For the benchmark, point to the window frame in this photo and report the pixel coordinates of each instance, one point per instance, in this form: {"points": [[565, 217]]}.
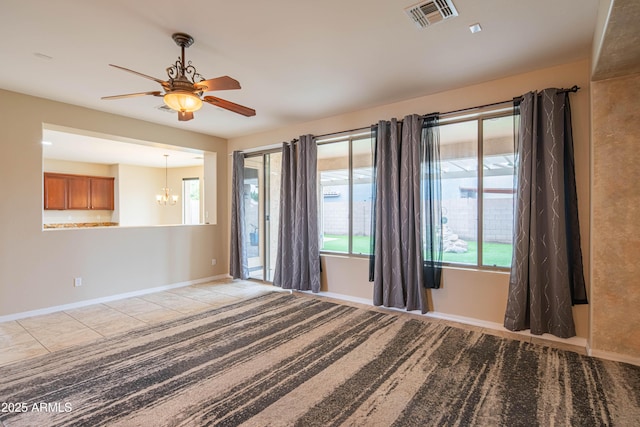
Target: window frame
{"points": [[479, 117], [349, 138]]}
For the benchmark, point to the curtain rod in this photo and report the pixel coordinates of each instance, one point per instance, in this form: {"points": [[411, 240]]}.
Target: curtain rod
{"points": [[264, 149], [343, 131], [574, 88]]}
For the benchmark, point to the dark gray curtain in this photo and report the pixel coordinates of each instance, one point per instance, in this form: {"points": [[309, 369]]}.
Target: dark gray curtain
{"points": [[298, 260], [238, 265], [546, 273], [399, 251]]}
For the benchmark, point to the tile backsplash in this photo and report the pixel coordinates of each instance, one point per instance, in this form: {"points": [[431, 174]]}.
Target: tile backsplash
{"points": [[73, 216]]}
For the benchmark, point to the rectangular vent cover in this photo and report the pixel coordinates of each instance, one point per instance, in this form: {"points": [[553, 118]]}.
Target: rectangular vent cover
{"points": [[165, 108], [431, 12]]}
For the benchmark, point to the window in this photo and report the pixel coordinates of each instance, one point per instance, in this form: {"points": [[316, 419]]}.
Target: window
{"points": [[478, 190], [498, 191], [345, 179], [191, 201], [477, 163]]}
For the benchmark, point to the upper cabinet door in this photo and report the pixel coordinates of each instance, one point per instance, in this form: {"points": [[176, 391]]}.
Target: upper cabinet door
{"points": [[78, 192], [55, 192], [102, 193]]}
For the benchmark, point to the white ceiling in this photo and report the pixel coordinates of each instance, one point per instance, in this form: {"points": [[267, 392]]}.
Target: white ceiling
{"points": [[75, 147], [297, 60]]}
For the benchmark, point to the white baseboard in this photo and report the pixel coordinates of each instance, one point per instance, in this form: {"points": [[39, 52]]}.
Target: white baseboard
{"points": [[342, 297], [577, 341], [79, 304], [616, 357]]}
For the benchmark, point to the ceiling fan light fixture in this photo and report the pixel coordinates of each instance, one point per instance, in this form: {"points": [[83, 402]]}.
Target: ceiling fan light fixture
{"points": [[184, 88], [182, 101]]}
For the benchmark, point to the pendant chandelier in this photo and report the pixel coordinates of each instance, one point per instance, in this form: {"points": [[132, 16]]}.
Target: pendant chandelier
{"points": [[166, 198]]}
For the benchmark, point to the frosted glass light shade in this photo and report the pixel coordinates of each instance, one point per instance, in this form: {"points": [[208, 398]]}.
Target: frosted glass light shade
{"points": [[166, 198], [180, 100]]}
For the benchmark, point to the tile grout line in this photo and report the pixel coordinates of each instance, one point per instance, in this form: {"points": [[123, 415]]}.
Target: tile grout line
{"points": [[87, 326], [32, 336], [205, 290], [131, 315]]}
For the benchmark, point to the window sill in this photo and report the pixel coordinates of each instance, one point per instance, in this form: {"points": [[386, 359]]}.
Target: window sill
{"points": [[486, 269], [343, 255]]}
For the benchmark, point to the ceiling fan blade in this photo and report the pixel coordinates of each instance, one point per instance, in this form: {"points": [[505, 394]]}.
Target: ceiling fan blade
{"points": [[228, 105], [184, 116], [162, 82], [131, 95], [219, 83]]}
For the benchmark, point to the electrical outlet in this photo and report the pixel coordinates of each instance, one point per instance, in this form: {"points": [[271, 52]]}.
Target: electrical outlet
{"points": [[77, 281], [214, 261]]}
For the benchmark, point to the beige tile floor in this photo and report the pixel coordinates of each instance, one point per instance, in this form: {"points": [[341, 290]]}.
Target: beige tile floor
{"points": [[34, 336]]}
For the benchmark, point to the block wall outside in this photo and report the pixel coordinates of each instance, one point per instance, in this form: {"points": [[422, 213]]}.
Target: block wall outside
{"points": [[461, 215]]}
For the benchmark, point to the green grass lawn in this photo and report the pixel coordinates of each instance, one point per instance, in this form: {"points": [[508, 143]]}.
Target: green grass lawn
{"points": [[340, 243], [494, 254]]}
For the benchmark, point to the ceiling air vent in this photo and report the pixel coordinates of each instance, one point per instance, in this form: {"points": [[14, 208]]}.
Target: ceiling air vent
{"points": [[165, 108], [431, 12]]}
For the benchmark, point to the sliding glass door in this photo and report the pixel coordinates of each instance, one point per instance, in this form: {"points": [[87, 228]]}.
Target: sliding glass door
{"points": [[262, 202]]}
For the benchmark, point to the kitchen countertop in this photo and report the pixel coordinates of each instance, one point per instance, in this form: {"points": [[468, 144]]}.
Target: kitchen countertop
{"points": [[81, 225]]}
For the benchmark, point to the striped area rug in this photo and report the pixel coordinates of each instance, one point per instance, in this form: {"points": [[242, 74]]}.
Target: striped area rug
{"points": [[282, 360]]}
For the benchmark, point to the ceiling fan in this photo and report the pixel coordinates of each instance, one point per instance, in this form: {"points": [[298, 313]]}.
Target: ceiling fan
{"points": [[184, 88]]}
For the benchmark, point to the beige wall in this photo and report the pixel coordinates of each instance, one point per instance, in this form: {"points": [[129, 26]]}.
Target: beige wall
{"points": [[137, 189], [615, 228], [474, 294], [77, 168], [37, 267], [176, 175]]}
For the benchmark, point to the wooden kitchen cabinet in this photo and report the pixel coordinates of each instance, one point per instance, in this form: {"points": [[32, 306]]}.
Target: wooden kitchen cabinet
{"points": [[101, 194], [55, 192], [78, 192]]}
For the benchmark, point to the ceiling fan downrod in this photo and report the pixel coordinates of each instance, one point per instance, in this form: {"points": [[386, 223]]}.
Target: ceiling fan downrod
{"points": [[183, 70], [183, 40]]}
